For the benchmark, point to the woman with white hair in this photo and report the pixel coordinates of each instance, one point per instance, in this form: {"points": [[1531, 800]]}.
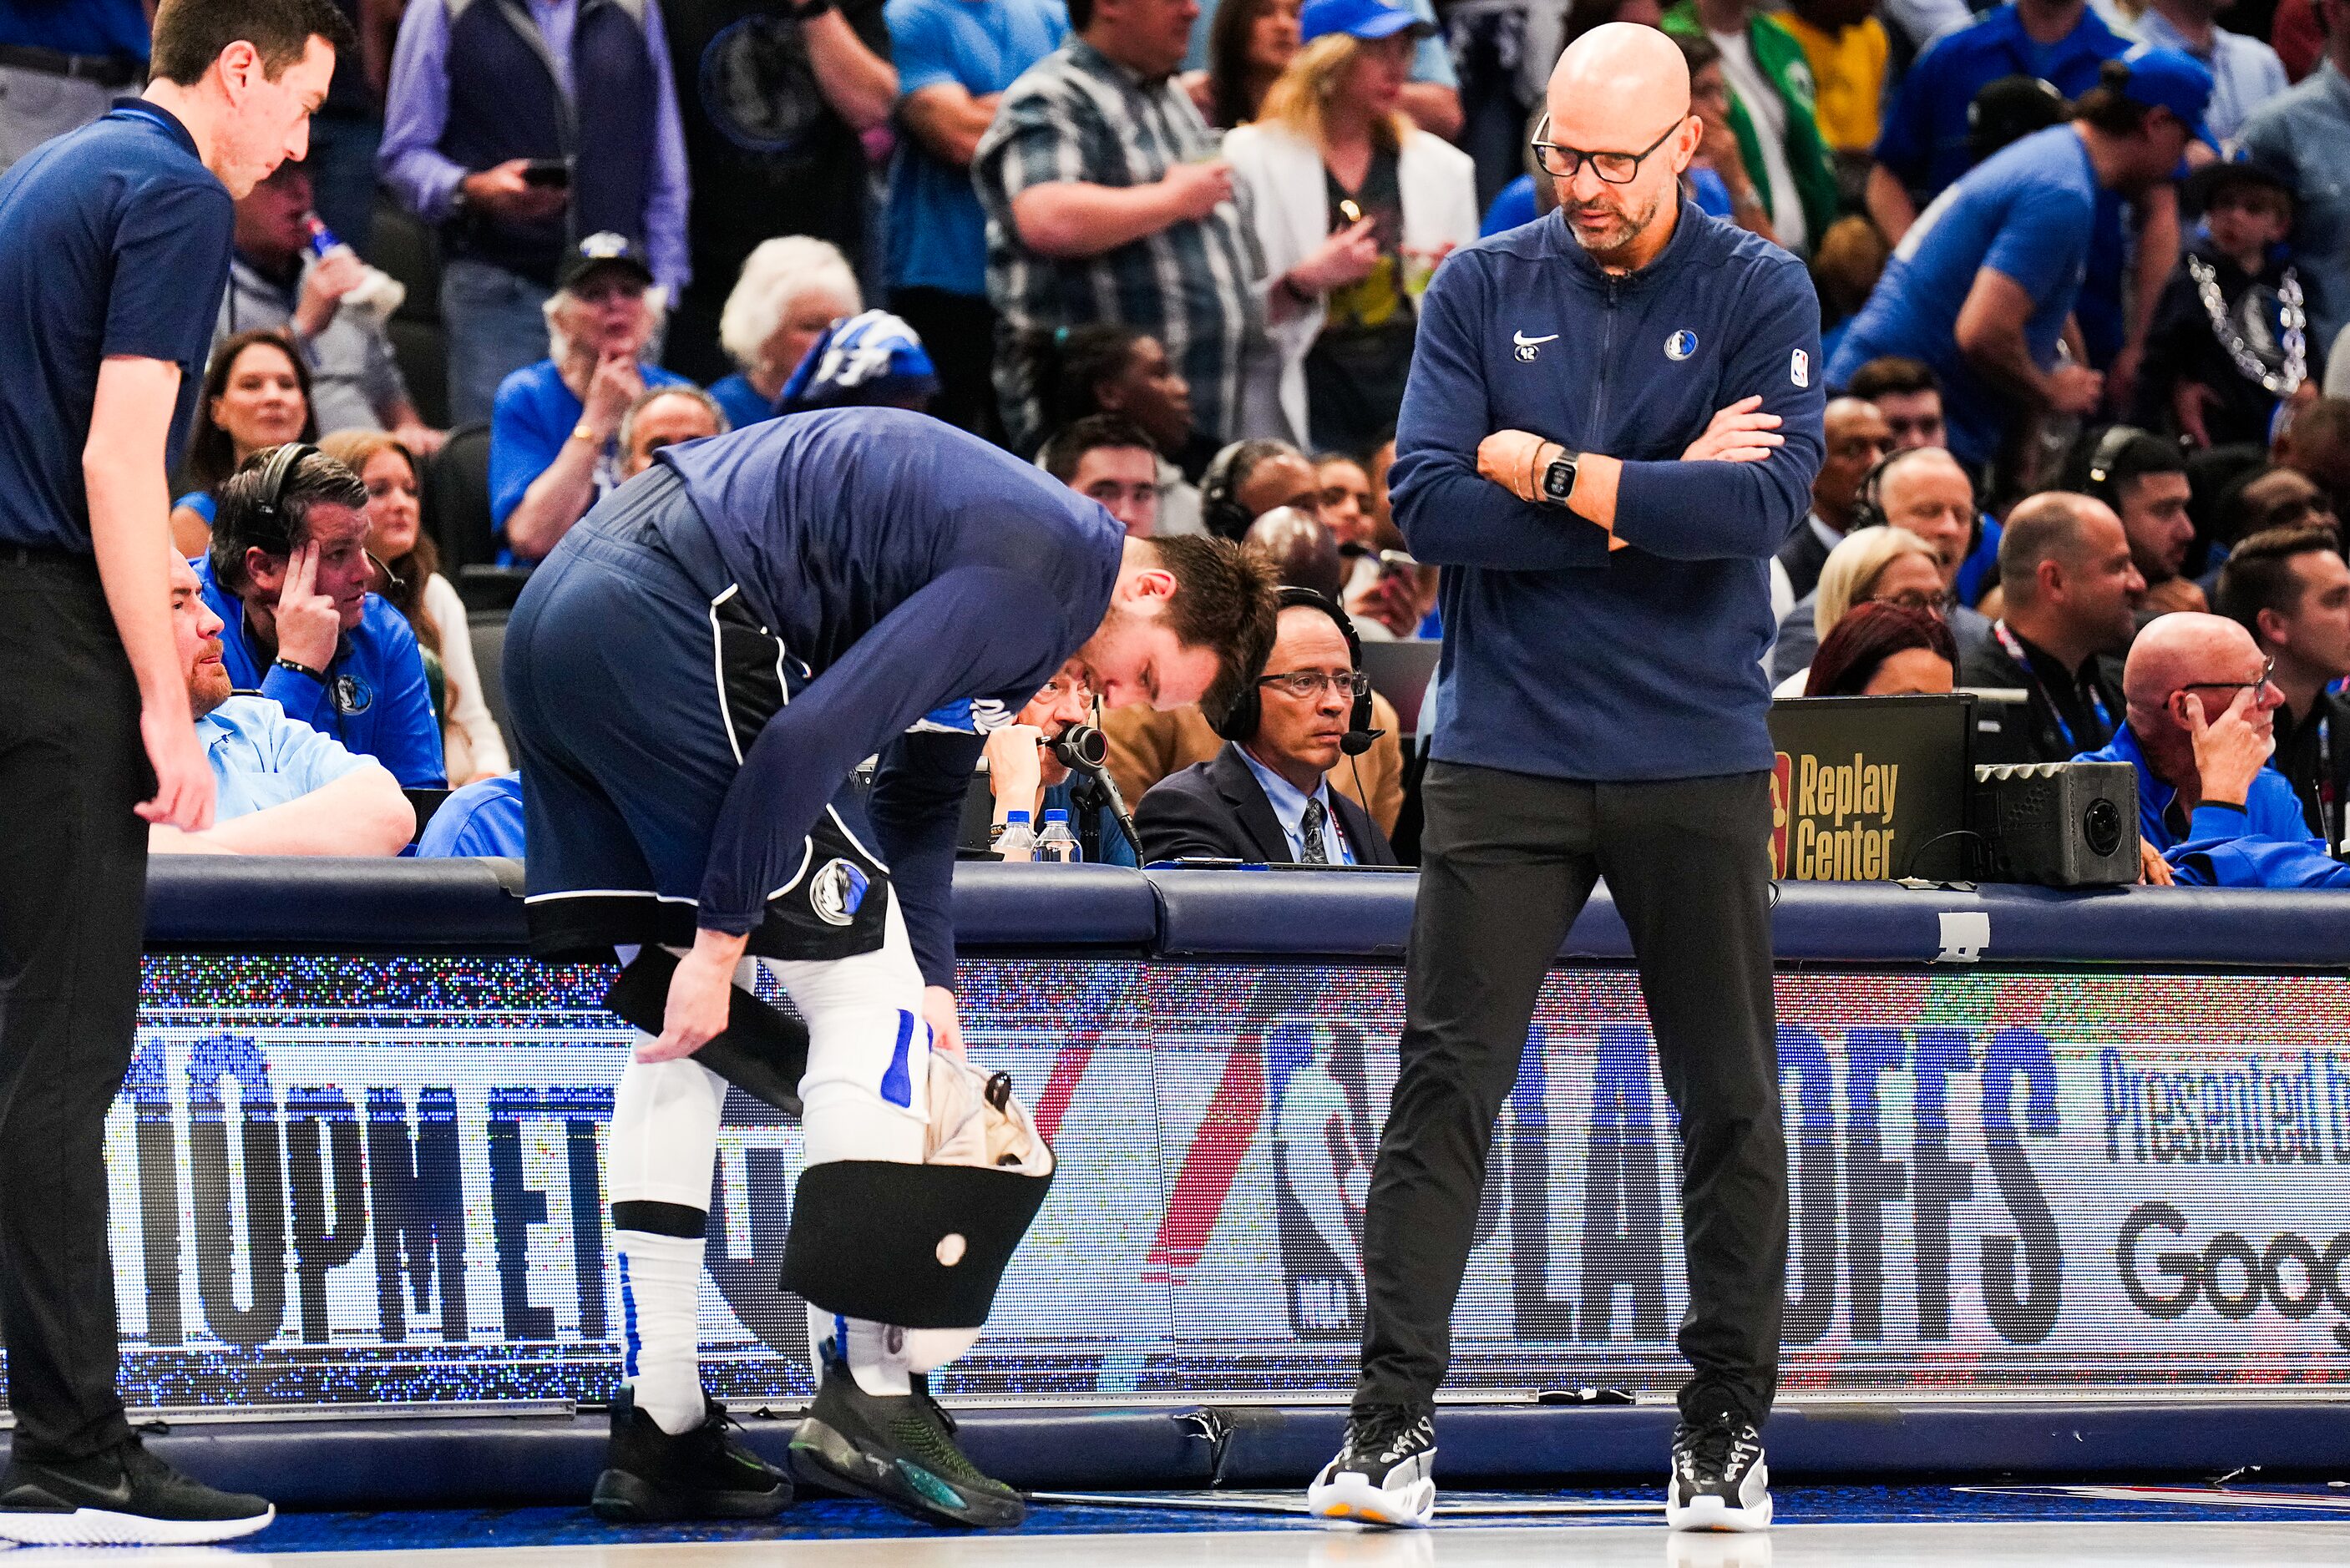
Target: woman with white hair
{"points": [[1355, 206], [1871, 566], [552, 446], [791, 292]]}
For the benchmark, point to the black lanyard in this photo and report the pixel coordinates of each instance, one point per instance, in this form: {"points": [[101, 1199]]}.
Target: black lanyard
{"points": [[2016, 651]]}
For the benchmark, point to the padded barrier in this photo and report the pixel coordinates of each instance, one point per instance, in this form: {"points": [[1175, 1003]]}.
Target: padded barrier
{"points": [[268, 904]]}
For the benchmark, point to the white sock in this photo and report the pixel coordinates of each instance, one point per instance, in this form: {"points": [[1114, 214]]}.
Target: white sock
{"points": [[876, 1351], [660, 1287]]}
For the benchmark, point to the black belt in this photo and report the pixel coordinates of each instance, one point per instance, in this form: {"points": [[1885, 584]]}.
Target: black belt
{"points": [[99, 70]]}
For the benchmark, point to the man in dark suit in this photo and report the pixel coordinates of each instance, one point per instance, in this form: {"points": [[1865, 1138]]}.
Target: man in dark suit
{"points": [[1266, 796], [1857, 439]]}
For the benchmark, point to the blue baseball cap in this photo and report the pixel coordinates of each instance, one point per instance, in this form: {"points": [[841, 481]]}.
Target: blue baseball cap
{"points": [[872, 360], [2166, 78], [1358, 19]]}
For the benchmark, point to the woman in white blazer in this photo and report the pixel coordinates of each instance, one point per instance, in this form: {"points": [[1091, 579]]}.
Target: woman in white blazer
{"points": [[1355, 206]]}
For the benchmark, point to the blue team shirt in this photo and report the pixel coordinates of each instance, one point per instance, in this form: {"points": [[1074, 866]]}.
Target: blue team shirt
{"points": [[114, 240], [261, 758], [938, 235], [374, 700], [535, 414], [483, 818], [2027, 214], [744, 405], [904, 564], [77, 27]]}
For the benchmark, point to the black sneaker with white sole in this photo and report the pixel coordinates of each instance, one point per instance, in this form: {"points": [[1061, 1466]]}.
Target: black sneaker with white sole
{"points": [[1720, 1481], [123, 1497], [1385, 1472], [652, 1478], [898, 1450]]}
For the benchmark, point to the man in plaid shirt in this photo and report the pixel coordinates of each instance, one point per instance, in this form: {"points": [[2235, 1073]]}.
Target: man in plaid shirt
{"points": [[1105, 202]]}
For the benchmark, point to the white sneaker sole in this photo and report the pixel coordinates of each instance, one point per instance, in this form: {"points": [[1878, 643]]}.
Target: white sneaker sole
{"points": [[1715, 1513], [101, 1527], [1348, 1497]]}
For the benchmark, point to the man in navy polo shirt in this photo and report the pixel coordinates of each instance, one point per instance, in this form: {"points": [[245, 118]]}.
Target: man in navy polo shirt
{"points": [[287, 574], [1924, 147], [1979, 287], [114, 248], [954, 58]]}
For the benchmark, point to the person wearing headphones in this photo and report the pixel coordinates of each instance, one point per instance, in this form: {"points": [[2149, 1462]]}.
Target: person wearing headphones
{"points": [[1267, 795], [1250, 478], [1924, 490], [288, 574], [2143, 478]]}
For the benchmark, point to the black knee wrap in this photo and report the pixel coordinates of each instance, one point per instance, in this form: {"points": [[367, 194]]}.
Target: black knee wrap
{"points": [[763, 1051], [874, 1239]]}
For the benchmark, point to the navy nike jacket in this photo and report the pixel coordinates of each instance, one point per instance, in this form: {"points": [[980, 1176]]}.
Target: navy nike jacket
{"points": [[1561, 657]]}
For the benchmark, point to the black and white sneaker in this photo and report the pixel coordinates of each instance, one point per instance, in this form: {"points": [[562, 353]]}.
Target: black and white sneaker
{"points": [[1720, 1481], [898, 1450], [1385, 1472], [651, 1478], [124, 1497]]}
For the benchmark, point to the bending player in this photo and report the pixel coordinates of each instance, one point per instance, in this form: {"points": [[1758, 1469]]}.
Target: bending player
{"points": [[691, 677]]}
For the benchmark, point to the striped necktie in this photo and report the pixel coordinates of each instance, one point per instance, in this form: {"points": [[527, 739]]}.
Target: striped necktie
{"points": [[1316, 853]]}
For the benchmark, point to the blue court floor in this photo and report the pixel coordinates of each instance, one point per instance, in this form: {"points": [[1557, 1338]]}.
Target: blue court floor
{"points": [[2035, 1526]]}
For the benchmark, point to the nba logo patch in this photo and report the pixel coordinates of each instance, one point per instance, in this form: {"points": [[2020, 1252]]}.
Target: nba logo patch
{"points": [[1680, 345], [1799, 368]]}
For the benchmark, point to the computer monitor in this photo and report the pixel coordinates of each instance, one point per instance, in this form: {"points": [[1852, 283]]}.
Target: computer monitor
{"points": [[1870, 788]]}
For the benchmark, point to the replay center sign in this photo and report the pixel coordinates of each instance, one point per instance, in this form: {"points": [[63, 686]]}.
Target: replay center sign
{"points": [[342, 1181]]}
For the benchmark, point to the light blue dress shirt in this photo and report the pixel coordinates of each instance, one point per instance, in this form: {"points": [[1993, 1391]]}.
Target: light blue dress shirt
{"points": [[1289, 809], [2245, 72], [261, 758]]}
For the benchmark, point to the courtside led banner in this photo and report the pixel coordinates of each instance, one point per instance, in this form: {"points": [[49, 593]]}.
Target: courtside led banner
{"points": [[368, 1181]]}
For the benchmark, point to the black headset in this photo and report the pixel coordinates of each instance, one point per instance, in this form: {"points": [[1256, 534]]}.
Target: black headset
{"points": [[1241, 720], [2107, 457], [1221, 511], [270, 503], [1868, 510]]}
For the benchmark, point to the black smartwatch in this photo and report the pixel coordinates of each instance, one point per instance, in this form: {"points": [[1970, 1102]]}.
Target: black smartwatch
{"points": [[1558, 478]]}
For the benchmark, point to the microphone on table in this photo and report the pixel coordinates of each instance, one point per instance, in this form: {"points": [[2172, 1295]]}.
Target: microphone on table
{"points": [[1083, 749]]}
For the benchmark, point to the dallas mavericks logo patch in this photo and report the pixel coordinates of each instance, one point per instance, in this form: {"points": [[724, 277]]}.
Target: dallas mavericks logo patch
{"points": [[352, 695], [1680, 345], [836, 891]]}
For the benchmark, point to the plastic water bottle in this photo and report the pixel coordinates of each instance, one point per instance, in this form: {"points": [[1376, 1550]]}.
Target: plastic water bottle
{"points": [[1017, 841], [322, 242], [1058, 842], [379, 293]]}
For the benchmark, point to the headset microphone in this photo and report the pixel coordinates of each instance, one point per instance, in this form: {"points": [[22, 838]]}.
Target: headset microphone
{"points": [[1083, 749]]}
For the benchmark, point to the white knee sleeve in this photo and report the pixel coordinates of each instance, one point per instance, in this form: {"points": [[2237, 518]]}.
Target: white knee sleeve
{"points": [[665, 1118], [866, 1090]]}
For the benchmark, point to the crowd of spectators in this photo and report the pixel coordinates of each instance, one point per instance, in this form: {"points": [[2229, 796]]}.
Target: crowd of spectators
{"points": [[2081, 265]]}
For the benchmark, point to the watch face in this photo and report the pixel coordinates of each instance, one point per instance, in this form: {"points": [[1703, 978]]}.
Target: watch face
{"points": [[1558, 478]]}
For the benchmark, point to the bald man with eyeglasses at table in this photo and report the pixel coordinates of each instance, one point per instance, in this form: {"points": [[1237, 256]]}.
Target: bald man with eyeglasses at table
{"points": [[1613, 424]]}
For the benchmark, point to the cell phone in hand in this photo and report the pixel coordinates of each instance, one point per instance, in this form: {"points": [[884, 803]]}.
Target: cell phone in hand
{"points": [[554, 173], [1397, 563]]}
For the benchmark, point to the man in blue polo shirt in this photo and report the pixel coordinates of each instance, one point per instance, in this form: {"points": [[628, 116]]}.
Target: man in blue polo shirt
{"points": [[1979, 287], [2201, 729], [954, 58], [114, 248], [288, 573], [1924, 147]]}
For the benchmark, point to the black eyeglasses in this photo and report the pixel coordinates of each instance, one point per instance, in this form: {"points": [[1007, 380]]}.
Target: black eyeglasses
{"points": [[1615, 168], [1307, 684], [2267, 669]]}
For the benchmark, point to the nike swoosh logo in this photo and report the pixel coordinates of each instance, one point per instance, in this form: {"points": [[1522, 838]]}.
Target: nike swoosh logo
{"points": [[1523, 341]]}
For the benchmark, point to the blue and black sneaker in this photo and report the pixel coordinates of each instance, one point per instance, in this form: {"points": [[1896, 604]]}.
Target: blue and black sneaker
{"points": [[898, 1450]]}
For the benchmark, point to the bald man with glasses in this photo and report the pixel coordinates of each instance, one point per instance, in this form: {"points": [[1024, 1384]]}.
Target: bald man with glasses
{"points": [[1613, 424]]}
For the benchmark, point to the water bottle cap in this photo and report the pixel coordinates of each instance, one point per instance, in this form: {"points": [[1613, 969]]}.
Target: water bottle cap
{"points": [[1013, 816], [1056, 816]]}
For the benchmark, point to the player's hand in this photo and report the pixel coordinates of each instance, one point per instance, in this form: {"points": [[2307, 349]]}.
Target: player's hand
{"points": [[701, 994], [1741, 432], [946, 1023], [323, 286], [1196, 190], [614, 386], [2231, 750], [1514, 461], [308, 625], [2152, 870], [503, 193], [2075, 389], [183, 777]]}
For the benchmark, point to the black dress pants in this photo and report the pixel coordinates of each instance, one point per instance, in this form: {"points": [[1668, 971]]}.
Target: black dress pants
{"points": [[958, 331], [1506, 863], [73, 879]]}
